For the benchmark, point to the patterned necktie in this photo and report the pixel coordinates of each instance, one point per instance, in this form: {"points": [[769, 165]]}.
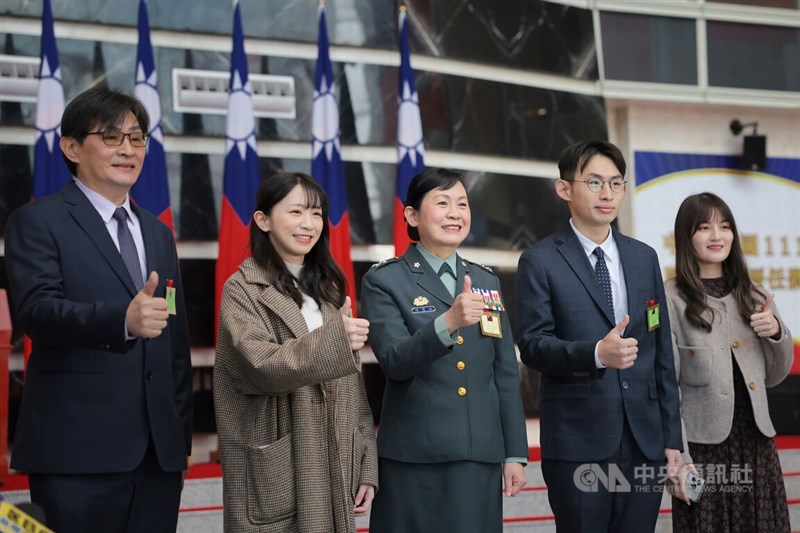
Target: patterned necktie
{"points": [[601, 269], [127, 248], [448, 278]]}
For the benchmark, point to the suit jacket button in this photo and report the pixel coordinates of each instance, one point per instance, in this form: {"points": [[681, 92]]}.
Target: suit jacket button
{"points": [[462, 391], [148, 376], [691, 352], [735, 344], [460, 365], [625, 385], [460, 340], [752, 385]]}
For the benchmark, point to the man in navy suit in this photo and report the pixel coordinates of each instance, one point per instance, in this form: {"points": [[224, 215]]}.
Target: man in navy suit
{"points": [[104, 430], [599, 335]]}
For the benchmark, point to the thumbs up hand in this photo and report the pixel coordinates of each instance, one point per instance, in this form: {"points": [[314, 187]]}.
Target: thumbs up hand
{"points": [[149, 288], [147, 315], [764, 322], [347, 308], [467, 284], [614, 350], [357, 329], [466, 310]]}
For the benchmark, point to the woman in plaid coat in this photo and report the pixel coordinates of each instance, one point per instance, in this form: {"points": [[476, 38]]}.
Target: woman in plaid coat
{"points": [[295, 430]]}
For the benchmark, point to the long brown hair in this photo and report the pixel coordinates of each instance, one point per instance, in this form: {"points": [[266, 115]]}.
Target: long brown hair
{"points": [[696, 210], [321, 277]]}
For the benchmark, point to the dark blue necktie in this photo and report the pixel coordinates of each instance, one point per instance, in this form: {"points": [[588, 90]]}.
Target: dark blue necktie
{"points": [[127, 248], [601, 269]]}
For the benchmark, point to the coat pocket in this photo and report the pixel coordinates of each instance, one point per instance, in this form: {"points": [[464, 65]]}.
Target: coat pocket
{"points": [[270, 482], [696, 362], [358, 455]]}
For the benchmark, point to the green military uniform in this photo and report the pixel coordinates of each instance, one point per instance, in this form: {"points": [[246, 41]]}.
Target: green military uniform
{"points": [[451, 414]]}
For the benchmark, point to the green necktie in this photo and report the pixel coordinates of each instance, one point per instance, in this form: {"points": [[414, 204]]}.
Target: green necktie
{"points": [[448, 278]]}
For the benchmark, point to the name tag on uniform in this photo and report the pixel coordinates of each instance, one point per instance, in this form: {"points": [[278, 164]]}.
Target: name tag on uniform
{"points": [[490, 325]]}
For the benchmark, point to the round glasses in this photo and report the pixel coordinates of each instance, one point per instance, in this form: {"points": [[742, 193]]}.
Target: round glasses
{"points": [[116, 138], [596, 184]]}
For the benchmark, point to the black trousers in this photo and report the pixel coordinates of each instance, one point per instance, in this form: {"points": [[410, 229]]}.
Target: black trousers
{"points": [[621, 494], [144, 500]]}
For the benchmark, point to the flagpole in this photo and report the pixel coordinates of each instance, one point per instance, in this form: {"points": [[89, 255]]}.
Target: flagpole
{"points": [[410, 146], [327, 166], [151, 190], [50, 172], [242, 174]]}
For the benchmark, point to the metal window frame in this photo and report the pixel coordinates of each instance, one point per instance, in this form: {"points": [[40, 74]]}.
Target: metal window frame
{"points": [[700, 10]]}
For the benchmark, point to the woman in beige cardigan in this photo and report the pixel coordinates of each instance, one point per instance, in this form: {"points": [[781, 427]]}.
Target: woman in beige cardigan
{"points": [[295, 430], [730, 344]]}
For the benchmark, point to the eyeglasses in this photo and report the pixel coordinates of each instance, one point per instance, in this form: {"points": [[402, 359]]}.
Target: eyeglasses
{"points": [[116, 138], [596, 184]]}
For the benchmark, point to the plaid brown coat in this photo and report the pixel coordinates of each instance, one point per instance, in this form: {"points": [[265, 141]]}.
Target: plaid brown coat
{"points": [[296, 434]]}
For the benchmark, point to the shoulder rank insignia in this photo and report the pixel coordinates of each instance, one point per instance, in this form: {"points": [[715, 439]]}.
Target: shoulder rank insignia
{"points": [[486, 268], [385, 262]]}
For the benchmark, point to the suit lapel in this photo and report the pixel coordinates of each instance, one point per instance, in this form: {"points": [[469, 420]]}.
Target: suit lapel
{"points": [[87, 217], [633, 269], [328, 312], [286, 309], [149, 238], [426, 277], [571, 250], [462, 269]]}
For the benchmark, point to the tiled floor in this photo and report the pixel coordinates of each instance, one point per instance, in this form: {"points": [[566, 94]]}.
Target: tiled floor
{"points": [[529, 512]]}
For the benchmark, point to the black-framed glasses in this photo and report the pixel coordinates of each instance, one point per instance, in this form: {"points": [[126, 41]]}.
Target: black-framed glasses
{"points": [[116, 138], [596, 184]]}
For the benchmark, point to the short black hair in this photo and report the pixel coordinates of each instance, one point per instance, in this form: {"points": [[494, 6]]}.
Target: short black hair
{"points": [[423, 183], [99, 107], [576, 156]]}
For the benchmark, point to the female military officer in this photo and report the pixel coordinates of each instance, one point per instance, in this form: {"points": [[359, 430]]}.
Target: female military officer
{"points": [[452, 433]]}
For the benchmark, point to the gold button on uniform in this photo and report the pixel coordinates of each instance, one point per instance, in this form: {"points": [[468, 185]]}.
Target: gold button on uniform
{"points": [[735, 344], [691, 352], [460, 340], [460, 365], [752, 385], [462, 391]]}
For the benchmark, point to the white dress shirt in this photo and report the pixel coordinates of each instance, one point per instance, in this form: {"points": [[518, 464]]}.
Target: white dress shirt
{"points": [[619, 291], [310, 310], [106, 208]]}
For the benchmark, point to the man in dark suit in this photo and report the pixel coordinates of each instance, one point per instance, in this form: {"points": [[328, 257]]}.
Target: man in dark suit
{"points": [[105, 424], [592, 319]]}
